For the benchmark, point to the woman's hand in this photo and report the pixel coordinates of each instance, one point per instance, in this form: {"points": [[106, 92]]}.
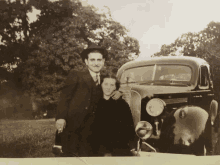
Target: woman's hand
{"points": [[60, 125]]}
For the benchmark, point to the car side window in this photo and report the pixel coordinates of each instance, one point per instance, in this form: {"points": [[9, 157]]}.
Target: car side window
{"points": [[204, 77]]}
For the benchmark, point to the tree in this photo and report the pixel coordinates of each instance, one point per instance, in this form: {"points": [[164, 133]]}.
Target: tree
{"points": [[18, 41], [166, 50], [13, 30], [204, 44], [44, 51], [16, 31], [60, 45]]}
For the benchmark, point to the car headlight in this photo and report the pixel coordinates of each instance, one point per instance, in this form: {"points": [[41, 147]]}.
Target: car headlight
{"points": [[155, 107], [144, 130]]}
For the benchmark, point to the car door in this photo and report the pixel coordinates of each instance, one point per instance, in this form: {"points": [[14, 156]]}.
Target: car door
{"points": [[203, 94]]}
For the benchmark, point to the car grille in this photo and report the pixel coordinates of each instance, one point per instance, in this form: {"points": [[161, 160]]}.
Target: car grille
{"points": [[175, 100]]}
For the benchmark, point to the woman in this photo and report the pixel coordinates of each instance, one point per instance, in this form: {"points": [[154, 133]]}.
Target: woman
{"points": [[113, 127]]}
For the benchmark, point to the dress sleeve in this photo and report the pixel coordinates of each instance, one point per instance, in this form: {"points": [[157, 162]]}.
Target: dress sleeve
{"points": [[66, 94]]}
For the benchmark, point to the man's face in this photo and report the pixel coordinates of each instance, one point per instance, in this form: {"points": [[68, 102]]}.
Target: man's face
{"points": [[95, 61]]}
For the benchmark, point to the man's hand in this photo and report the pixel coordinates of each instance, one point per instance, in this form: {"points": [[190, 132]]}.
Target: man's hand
{"points": [[134, 153], [116, 95], [60, 125], [126, 95], [107, 155]]}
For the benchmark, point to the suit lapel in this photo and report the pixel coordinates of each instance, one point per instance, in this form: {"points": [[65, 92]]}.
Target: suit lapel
{"points": [[101, 78], [88, 79]]}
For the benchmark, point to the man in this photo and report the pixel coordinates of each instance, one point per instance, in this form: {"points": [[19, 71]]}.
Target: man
{"points": [[76, 108]]}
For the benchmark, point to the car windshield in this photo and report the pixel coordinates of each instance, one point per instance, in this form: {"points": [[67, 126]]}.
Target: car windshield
{"points": [[176, 75]]}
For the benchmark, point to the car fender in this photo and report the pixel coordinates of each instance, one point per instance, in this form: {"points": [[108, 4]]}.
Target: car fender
{"points": [[213, 111], [135, 106], [190, 124], [185, 131]]}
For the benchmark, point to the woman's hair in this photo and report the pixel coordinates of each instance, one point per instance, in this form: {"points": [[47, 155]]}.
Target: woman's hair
{"points": [[113, 76]]}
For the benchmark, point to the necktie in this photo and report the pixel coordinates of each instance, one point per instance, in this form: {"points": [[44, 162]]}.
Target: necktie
{"points": [[96, 78]]}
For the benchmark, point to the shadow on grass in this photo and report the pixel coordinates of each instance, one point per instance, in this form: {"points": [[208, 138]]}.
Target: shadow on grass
{"points": [[16, 150], [26, 148], [27, 139]]}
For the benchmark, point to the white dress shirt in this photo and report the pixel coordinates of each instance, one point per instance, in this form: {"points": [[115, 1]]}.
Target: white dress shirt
{"points": [[93, 74]]}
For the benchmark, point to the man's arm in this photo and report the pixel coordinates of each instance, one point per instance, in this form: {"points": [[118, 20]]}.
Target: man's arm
{"points": [[65, 97]]}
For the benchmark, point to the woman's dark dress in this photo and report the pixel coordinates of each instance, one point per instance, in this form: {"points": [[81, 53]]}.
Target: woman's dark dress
{"points": [[112, 129]]}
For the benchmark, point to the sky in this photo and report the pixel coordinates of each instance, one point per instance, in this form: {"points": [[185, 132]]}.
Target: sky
{"points": [[157, 22]]}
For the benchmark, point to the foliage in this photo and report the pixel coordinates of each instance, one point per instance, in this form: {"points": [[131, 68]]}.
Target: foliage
{"points": [[47, 66], [17, 44], [16, 31], [13, 30], [204, 44], [45, 50]]}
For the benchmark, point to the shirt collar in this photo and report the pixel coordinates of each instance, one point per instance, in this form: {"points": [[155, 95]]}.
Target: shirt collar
{"points": [[93, 74]]}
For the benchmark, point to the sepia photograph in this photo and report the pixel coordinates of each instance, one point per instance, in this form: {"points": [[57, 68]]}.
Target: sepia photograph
{"points": [[109, 82]]}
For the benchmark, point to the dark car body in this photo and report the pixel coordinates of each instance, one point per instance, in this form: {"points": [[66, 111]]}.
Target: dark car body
{"points": [[172, 83]]}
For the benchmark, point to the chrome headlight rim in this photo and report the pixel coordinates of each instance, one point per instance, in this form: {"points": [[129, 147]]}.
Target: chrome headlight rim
{"points": [[158, 103], [145, 126]]}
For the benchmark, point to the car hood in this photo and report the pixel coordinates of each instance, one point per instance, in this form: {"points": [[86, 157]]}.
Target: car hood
{"points": [[149, 91]]}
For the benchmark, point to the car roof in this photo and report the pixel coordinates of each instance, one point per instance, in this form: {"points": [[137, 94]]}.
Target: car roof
{"points": [[195, 62], [168, 59]]}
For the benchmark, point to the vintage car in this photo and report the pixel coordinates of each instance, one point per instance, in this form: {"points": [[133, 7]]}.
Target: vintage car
{"points": [[172, 104]]}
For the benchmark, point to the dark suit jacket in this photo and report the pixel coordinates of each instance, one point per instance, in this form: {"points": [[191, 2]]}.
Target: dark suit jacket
{"points": [[76, 99]]}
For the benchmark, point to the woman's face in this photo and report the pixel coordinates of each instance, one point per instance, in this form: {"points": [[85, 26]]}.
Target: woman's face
{"points": [[108, 86]]}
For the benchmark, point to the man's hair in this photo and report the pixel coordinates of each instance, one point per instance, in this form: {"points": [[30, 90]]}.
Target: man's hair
{"points": [[113, 76], [94, 51]]}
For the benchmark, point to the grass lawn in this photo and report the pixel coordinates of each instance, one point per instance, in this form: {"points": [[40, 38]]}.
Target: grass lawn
{"points": [[34, 138], [27, 138]]}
